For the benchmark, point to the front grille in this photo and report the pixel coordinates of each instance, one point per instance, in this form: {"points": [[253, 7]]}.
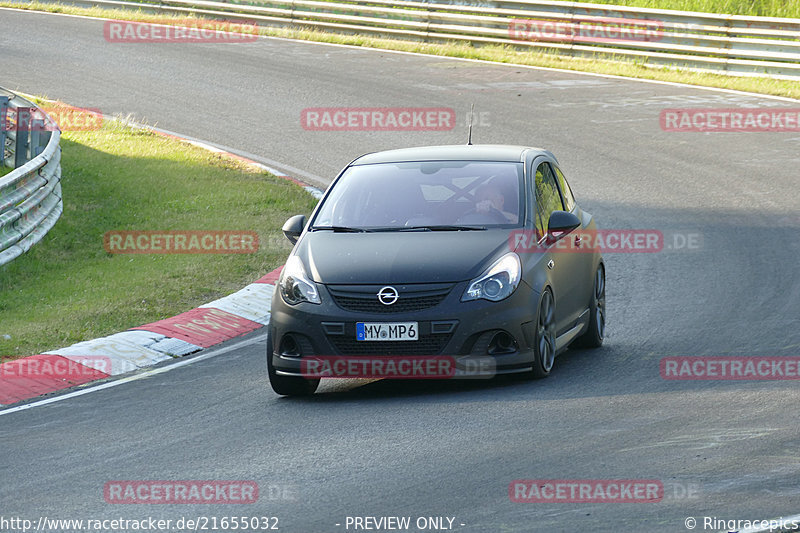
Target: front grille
{"points": [[364, 298], [426, 345], [400, 306]]}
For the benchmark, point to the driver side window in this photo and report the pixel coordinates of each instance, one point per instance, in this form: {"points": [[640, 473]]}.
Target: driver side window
{"points": [[547, 198]]}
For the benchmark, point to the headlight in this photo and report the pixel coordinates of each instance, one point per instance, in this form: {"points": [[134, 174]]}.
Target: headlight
{"points": [[498, 282], [294, 283]]}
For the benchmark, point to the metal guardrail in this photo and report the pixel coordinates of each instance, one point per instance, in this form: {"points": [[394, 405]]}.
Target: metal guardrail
{"points": [[30, 195], [732, 44]]}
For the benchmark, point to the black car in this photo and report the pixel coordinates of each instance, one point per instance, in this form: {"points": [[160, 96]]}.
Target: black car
{"points": [[431, 252]]}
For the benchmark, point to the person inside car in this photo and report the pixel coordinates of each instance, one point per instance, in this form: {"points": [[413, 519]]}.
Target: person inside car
{"points": [[489, 199]]}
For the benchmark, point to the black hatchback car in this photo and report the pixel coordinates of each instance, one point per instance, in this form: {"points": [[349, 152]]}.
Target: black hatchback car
{"points": [[438, 252]]}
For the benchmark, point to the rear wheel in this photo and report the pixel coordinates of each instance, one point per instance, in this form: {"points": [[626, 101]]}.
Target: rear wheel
{"points": [[593, 338], [287, 385], [545, 347]]}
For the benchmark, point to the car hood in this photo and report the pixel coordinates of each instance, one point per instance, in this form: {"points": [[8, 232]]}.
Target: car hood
{"points": [[399, 257]]}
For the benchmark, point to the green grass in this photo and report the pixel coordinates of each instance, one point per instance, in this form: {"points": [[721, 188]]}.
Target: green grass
{"points": [[495, 53], [5, 170], [764, 8], [68, 288], [761, 8]]}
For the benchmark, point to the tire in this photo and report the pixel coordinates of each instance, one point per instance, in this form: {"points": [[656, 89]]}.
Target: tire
{"points": [[593, 337], [545, 344], [287, 385]]}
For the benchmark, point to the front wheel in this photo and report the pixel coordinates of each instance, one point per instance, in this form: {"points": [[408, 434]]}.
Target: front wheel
{"points": [[593, 338], [287, 385], [545, 345]]}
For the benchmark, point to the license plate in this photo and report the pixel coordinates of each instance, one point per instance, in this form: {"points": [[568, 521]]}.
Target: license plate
{"points": [[387, 331]]}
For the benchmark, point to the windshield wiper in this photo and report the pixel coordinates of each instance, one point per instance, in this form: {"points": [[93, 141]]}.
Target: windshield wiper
{"points": [[434, 227], [342, 229], [443, 227]]}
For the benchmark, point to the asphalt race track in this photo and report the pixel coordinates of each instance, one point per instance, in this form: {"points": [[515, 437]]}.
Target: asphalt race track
{"points": [[723, 449]]}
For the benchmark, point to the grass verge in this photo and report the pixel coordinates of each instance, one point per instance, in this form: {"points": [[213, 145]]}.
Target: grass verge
{"points": [[68, 288], [602, 64], [758, 8]]}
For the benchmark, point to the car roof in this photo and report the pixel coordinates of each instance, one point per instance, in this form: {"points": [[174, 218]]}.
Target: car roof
{"points": [[455, 152]]}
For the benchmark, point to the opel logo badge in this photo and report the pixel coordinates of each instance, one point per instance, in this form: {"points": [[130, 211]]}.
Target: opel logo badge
{"points": [[388, 295]]}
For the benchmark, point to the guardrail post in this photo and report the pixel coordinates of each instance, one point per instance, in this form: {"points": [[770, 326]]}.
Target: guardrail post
{"points": [[23, 133], [37, 135], [729, 27], [3, 125]]}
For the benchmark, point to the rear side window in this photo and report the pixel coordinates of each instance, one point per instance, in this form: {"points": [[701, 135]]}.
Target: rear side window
{"points": [[547, 198], [566, 192]]}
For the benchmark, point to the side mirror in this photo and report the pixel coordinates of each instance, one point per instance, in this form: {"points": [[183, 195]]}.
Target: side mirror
{"points": [[294, 227], [560, 224]]}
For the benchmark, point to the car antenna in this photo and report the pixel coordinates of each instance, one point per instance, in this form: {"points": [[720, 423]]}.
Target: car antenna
{"points": [[469, 138]]}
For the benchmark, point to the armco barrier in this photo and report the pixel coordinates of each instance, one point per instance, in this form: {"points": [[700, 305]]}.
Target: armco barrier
{"points": [[732, 44], [30, 195]]}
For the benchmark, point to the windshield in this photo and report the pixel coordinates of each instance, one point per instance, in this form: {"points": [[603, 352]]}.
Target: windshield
{"points": [[429, 194]]}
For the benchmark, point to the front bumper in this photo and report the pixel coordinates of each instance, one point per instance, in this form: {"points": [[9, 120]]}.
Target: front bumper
{"points": [[461, 330]]}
